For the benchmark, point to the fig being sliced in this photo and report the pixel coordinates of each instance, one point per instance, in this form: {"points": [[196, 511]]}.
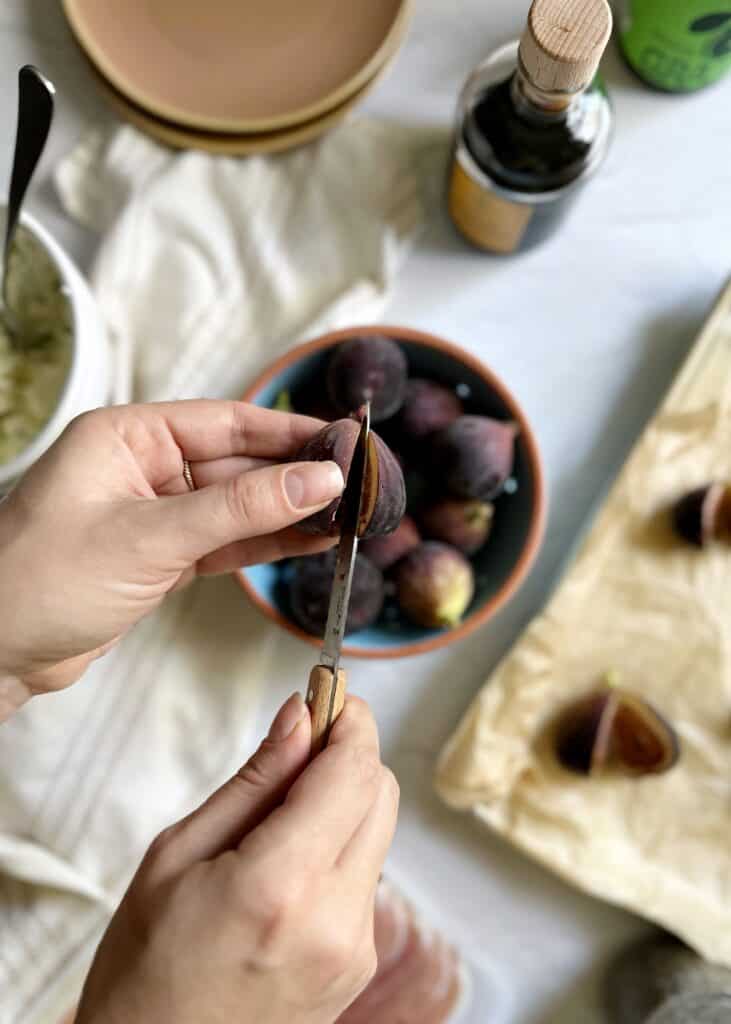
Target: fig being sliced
{"points": [[615, 728], [384, 494]]}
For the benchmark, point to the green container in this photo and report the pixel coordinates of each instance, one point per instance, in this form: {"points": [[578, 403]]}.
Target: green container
{"points": [[677, 45]]}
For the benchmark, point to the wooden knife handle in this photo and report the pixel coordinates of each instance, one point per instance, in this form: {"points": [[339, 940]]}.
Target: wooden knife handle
{"points": [[323, 693]]}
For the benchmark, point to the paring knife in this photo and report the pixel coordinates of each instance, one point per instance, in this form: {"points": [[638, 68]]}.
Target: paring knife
{"points": [[326, 689]]}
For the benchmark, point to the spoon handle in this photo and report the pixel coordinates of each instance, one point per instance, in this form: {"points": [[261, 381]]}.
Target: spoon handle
{"points": [[35, 113]]}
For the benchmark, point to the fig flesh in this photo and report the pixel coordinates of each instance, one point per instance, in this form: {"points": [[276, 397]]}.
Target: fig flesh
{"points": [[311, 586], [434, 585], [384, 493], [368, 369], [463, 523], [386, 551], [474, 456]]}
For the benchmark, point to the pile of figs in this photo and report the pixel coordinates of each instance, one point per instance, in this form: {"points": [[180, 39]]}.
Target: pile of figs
{"points": [[434, 471]]}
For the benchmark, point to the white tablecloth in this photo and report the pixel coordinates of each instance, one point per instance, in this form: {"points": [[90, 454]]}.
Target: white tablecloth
{"points": [[588, 331]]}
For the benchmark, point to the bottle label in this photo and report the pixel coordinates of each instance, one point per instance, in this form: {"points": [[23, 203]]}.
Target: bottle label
{"points": [[679, 46], [488, 220]]}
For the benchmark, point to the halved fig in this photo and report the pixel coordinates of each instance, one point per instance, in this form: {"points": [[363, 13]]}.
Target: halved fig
{"points": [[615, 728], [704, 514], [384, 496]]}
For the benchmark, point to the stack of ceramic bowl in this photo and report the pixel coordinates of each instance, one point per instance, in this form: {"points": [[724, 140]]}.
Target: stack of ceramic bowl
{"points": [[237, 76]]}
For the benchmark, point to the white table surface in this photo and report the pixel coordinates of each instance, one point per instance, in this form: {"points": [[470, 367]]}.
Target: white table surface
{"points": [[588, 331]]}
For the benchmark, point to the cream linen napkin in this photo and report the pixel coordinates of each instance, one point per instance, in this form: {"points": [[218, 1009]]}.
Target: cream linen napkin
{"points": [[212, 266], [209, 268]]}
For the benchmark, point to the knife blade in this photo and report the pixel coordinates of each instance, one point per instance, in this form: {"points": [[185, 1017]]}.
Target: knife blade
{"points": [[326, 690]]}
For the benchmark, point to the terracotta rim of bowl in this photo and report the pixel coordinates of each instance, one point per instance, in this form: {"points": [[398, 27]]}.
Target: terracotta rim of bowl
{"points": [[538, 515]]}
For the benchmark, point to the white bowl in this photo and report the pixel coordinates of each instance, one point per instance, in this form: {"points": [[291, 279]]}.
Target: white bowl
{"points": [[87, 383]]}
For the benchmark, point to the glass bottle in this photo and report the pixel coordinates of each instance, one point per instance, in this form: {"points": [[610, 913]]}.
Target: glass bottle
{"points": [[679, 46], [524, 148]]}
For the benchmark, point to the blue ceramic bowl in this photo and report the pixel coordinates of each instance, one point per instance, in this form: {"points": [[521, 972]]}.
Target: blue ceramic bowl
{"points": [[519, 520]]}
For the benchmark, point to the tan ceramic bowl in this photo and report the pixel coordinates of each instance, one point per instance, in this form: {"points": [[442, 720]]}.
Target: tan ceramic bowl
{"points": [[226, 144], [500, 567], [237, 66]]}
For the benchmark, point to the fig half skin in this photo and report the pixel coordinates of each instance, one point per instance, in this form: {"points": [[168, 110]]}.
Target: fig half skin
{"points": [[386, 551], [311, 588], [427, 407], [368, 369], [615, 728], [465, 523], [384, 491], [704, 514], [474, 456], [434, 585]]}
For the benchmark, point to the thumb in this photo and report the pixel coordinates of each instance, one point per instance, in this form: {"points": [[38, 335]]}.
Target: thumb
{"points": [[253, 504], [245, 800]]}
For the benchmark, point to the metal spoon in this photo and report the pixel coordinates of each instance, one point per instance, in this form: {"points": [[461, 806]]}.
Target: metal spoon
{"points": [[35, 113]]}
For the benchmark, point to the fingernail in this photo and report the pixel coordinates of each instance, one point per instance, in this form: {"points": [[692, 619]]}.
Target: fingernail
{"points": [[288, 718], [312, 483]]}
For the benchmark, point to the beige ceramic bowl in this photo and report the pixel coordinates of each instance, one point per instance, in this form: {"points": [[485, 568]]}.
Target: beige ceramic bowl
{"points": [[237, 66], [226, 144]]}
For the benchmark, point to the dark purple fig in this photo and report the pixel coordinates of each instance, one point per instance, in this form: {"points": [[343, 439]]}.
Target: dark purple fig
{"points": [[464, 523], [615, 728], [427, 407], [388, 550], [311, 587], [384, 494], [474, 456], [704, 514], [369, 369], [434, 585]]}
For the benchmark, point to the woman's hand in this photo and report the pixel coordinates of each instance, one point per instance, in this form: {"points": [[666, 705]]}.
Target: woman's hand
{"points": [[104, 526], [259, 906]]}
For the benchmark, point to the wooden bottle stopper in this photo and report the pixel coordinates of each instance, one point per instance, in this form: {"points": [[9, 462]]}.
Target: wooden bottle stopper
{"points": [[563, 43]]}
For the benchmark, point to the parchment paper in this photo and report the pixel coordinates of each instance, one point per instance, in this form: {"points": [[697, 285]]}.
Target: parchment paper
{"points": [[658, 612]]}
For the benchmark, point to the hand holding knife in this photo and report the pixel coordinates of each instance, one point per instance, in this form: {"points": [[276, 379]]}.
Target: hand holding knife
{"points": [[326, 689]]}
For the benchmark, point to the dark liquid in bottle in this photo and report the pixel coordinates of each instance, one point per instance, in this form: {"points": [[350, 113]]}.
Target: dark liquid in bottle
{"points": [[524, 150]]}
